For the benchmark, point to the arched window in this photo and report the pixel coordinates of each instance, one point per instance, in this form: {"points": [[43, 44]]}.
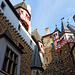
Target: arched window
{"points": [[37, 73]]}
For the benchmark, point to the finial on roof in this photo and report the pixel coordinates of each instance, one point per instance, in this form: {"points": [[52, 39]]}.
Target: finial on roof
{"points": [[23, 0], [62, 18], [56, 26], [56, 29], [68, 20]]}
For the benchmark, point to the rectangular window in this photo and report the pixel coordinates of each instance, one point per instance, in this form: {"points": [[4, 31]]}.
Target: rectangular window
{"points": [[54, 35], [46, 60], [62, 39], [56, 57], [52, 44], [10, 62], [58, 42], [70, 37]]}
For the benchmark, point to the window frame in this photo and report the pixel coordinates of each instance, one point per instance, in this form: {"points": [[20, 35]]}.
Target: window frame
{"points": [[10, 62]]}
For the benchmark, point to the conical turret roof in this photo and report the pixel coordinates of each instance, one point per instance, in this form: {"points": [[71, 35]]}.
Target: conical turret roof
{"points": [[36, 61], [71, 28], [64, 28]]}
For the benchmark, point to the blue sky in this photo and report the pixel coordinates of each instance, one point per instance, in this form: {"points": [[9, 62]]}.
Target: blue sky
{"points": [[48, 13]]}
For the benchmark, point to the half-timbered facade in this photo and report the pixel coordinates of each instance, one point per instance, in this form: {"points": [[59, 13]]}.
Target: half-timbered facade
{"points": [[59, 47]]}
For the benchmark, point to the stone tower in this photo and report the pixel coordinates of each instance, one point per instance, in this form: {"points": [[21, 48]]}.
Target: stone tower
{"points": [[59, 48]]}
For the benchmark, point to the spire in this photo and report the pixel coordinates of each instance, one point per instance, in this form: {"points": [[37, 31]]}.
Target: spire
{"points": [[71, 28], [64, 27], [36, 61], [56, 29]]}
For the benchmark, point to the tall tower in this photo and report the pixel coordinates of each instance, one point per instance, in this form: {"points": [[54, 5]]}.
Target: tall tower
{"points": [[25, 14]]}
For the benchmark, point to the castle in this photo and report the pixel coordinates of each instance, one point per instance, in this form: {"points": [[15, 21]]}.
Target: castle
{"points": [[23, 52]]}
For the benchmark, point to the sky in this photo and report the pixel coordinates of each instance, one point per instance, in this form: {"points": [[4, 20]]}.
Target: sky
{"points": [[48, 13]]}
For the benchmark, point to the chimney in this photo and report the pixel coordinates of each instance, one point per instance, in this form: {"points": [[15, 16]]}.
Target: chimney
{"points": [[47, 31]]}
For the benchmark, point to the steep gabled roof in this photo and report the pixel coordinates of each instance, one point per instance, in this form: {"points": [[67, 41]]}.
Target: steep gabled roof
{"points": [[6, 32], [22, 4], [64, 28], [71, 28], [36, 61], [8, 36]]}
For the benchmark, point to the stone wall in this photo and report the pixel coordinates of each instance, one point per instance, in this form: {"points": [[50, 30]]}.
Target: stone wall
{"points": [[57, 62], [26, 58]]}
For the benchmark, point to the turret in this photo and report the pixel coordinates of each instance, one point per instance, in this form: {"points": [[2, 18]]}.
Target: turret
{"points": [[36, 64], [56, 33], [25, 14]]}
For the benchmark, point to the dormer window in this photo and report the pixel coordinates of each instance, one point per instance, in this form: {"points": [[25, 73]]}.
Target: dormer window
{"points": [[3, 5]]}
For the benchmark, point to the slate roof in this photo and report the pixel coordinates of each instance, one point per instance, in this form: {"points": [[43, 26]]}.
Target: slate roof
{"points": [[56, 29], [22, 4], [64, 28], [71, 28], [36, 61]]}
